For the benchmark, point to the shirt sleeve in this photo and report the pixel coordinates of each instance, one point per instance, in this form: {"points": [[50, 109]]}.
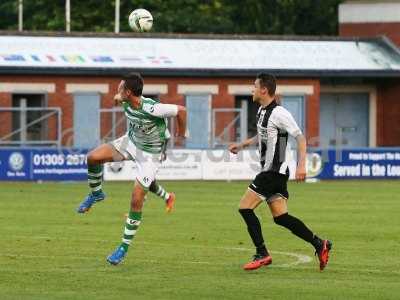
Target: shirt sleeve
{"points": [[283, 119], [161, 110]]}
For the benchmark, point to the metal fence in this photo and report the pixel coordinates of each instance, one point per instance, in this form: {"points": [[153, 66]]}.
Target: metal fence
{"points": [[41, 126], [30, 126], [116, 123], [228, 125]]}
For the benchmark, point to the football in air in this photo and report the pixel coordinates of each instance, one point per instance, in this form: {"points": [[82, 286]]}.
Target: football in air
{"points": [[140, 20]]}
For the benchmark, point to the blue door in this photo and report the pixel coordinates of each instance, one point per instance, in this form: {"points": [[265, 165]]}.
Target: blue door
{"points": [[86, 120], [295, 105], [344, 120], [198, 120]]}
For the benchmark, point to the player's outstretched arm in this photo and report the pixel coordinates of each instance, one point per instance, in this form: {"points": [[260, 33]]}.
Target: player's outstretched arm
{"points": [[181, 119], [236, 147], [284, 120], [169, 110], [301, 157]]}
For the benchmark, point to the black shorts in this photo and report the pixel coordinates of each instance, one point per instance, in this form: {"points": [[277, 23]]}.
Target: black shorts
{"points": [[269, 184]]}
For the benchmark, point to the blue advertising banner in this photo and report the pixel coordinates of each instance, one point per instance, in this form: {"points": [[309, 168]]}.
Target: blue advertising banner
{"points": [[69, 164], [43, 164], [383, 163]]}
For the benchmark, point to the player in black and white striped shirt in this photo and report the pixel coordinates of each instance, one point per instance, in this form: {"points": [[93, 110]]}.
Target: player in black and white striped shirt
{"points": [[274, 124]]}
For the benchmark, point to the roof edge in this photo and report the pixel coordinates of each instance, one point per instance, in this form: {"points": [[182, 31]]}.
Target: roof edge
{"points": [[186, 36], [199, 73], [389, 43]]}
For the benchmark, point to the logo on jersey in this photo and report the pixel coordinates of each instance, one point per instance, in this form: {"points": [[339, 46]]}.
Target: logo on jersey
{"points": [[147, 107], [261, 118]]}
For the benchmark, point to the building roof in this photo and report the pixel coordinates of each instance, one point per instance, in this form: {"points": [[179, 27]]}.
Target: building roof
{"points": [[198, 55]]}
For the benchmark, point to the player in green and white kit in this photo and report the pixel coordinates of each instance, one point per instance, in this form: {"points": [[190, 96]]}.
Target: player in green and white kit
{"points": [[143, 143], [157, 188]]}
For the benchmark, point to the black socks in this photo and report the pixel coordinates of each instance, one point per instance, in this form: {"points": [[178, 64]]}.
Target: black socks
{"points": [[298, 228], [254, 229]]}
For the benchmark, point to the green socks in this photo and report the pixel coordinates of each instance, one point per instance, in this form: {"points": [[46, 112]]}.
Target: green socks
{"points": [[95, 176], [158, 190], [131, 226]]}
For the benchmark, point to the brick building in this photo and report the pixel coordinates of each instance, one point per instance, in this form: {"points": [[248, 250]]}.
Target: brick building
{"points": [[377, 18], [342, 91]]}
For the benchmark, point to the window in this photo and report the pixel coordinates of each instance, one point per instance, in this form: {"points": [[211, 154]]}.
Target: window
{"points": [[293, 103], [26, 119]]}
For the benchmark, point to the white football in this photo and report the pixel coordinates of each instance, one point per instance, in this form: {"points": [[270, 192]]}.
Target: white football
{"points": [[140, 20]]}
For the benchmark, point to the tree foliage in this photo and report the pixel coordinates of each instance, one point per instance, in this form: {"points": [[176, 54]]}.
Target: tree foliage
{"points": [[311, 17]]}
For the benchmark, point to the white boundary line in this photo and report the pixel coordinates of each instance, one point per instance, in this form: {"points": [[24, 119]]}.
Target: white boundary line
{"points": [[301, 258]]}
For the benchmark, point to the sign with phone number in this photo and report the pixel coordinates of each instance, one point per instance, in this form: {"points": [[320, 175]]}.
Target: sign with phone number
{"points": [[43, 164]]}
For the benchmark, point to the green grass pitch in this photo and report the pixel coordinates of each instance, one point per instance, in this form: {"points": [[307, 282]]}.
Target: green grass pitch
{"points": [[47, 251]]}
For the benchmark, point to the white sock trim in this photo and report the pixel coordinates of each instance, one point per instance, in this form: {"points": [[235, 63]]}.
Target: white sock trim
{"points": [[126, 241], [130, 232], [97, 188], [95, 174], [94, 180]]}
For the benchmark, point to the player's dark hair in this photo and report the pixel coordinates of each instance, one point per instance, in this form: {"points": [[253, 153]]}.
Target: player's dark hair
{"points": [[268, 81], [134, 83]]}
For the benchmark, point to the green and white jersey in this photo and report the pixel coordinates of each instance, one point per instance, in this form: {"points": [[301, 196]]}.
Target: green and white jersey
{"points": [[147, 124]]}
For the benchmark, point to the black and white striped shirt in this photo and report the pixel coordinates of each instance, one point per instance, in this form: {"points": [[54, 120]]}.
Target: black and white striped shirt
{"points": [[274, 123]]}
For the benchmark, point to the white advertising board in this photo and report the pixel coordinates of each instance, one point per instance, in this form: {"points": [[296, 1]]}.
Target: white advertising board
{"points": [[164, 53], [221, 164], [199, 164], [180, 165]]}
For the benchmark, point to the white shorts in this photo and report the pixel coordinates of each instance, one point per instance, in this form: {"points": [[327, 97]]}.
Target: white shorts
{"points": [[147, 163]]}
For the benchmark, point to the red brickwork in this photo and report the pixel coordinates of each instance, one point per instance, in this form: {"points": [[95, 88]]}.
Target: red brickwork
{"points": [[5, 117], [388, 114], [391, 30], [221, 100], [388, 103]]}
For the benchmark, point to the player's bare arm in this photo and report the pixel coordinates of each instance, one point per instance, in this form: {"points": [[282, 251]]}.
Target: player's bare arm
{"points": [[236, 147], [181, 119], [171, 110], [301, 157]]}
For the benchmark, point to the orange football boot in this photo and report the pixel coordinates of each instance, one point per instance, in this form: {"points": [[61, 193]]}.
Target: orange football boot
{"points": [[169, 204], [257, 262]]}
